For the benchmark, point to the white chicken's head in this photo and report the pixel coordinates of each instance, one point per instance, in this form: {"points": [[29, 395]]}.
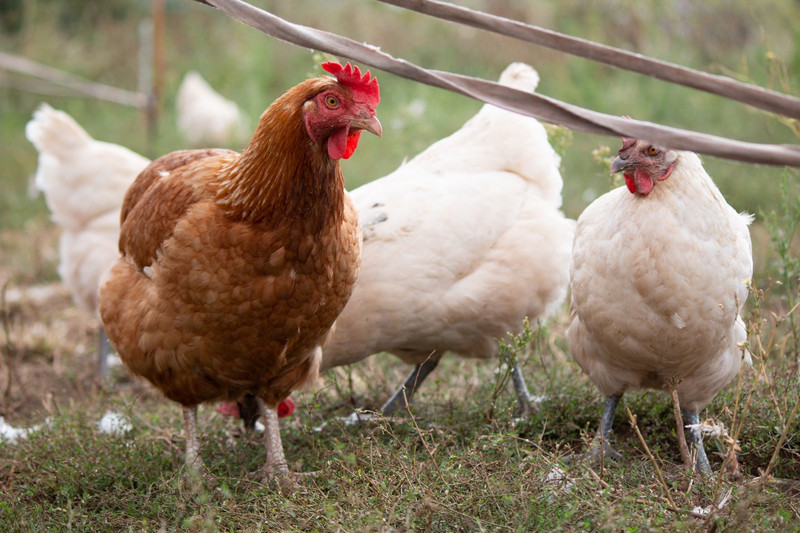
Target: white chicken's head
{"points": [[643, 164]]}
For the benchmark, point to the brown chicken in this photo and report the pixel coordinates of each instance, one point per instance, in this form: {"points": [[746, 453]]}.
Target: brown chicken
{"points": [[234, 266]]}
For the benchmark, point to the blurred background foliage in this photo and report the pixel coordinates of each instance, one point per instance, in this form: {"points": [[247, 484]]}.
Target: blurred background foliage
{"points": [[753, 41]]}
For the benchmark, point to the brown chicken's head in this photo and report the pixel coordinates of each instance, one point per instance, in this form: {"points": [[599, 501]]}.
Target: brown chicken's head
{"points": [[342, 109], [643, 164]]}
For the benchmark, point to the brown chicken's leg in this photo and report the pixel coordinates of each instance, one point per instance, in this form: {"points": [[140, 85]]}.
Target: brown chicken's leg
{"points": [[276, 467], [193, 460]]}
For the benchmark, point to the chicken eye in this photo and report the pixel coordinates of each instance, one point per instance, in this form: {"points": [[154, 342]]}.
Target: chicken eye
{"points": [[331, 101], [652, 150]]}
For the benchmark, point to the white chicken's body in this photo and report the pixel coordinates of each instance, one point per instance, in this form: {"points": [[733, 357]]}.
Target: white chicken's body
{"points": [[658, 282], [460, 244], [84, 182], [206, 118]]}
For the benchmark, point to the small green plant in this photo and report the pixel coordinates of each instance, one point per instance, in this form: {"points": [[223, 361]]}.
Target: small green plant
{"points": [[782, 223], [511, 351]]}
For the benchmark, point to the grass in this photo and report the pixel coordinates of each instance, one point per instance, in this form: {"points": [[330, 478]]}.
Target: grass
{"points": [[463, 462], [451, 467]]}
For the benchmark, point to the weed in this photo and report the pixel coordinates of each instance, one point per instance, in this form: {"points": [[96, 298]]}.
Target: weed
{"points": [[782, 223]]}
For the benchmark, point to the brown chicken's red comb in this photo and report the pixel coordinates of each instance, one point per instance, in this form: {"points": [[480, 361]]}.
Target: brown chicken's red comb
{"points": [[351, 76]]}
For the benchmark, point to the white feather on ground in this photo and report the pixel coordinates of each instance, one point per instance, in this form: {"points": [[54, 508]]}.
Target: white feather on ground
{"points": [[460, 243], [114, 423], [84, 182], [205, 118], [11, 434]]}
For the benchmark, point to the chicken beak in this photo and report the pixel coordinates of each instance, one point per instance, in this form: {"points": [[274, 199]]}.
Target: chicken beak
{"points": [[617, 165], [369, 123]]}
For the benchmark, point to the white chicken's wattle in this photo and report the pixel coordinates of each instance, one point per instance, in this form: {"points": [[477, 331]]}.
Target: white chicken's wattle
{"points": [[659, 276]]}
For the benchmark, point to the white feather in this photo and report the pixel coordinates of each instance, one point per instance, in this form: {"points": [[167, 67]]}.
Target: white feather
{"points": [[114, 423], [11, 434]]}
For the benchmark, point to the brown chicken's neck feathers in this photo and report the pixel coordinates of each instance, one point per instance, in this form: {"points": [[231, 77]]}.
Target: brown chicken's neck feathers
{"points": [[282, 175]]}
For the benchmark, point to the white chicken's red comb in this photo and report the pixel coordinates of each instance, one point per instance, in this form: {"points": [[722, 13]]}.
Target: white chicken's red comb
{"points": [[351, 76], [627, 142]]}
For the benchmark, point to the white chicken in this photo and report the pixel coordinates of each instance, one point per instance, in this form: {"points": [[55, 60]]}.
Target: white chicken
{"points": [[83, 181], [659, 274], [460, 245], [206, 118]]}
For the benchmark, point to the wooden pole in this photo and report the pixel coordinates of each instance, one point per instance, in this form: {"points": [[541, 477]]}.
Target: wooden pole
{"points": [[158, 14]]}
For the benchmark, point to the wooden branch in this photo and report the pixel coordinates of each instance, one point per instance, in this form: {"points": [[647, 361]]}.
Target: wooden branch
{"points": [[664, 486], [681, 430]]}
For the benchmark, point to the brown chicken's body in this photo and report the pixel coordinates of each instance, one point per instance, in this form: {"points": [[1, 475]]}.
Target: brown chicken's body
{"points": [[233, 307], [234, 266]]}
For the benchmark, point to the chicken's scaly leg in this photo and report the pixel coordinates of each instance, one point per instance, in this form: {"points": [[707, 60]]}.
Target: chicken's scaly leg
{"points": [[398, 400], [525, 402], [192, 441], [276, 467], [403, 394], [695, 438], [600, 447], [103, 349]]}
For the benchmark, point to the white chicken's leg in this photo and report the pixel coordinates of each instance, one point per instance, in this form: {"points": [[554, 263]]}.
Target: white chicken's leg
{"points": [[421, 371], [192, 441], [695, 438], [601, 449], [103, 349], [404, 393], [397, 401], [276, 467], [525, 402]]}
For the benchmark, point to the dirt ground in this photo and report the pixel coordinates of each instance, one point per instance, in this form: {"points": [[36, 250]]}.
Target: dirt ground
{"points": [[48, 353]]}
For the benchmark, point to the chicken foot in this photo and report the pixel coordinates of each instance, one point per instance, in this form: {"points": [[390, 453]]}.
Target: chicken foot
{"points": [[399, 400], [696, 439], [525, 402], [401, 397], [193, 461], [600, 448], [275, 468]]}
